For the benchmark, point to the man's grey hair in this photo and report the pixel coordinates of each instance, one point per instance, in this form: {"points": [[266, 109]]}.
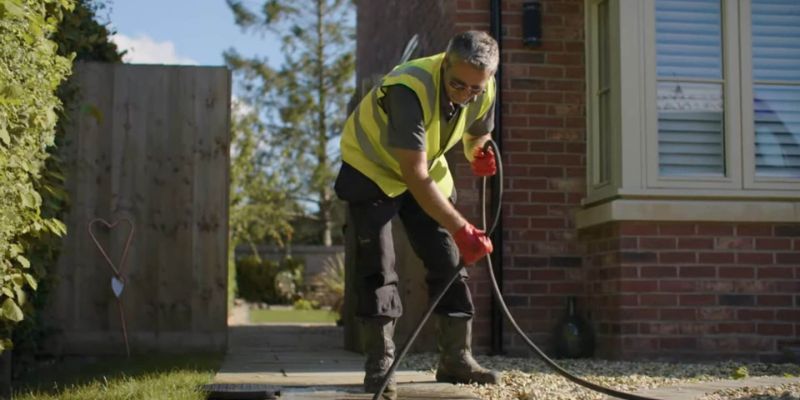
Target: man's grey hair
{"points": [[476, 48]]}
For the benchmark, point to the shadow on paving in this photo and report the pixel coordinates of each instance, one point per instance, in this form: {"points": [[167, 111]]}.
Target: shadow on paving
{"points": [[310, 362]]}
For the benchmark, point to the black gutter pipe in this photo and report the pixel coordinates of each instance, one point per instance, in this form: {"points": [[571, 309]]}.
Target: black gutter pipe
{"points": [[496, 27]]}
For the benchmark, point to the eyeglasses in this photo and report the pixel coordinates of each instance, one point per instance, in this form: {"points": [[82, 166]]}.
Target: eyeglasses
{"points": [[461, 86]]}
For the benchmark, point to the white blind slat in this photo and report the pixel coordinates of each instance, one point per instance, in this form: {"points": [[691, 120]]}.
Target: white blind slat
{"points": [[776, 106]]}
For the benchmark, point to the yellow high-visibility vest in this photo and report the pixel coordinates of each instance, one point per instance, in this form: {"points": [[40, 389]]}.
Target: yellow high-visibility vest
{"points": [[364, 140]]}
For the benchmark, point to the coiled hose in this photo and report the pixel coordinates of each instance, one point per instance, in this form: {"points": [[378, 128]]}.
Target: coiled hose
{"points": [[496, 290]]}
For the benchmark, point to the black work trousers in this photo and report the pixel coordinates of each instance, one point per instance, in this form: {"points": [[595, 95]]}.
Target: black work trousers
{"points": [[371, 215]]}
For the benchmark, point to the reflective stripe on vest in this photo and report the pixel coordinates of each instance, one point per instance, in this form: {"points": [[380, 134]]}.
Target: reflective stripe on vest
{"points": [[364, 141]]}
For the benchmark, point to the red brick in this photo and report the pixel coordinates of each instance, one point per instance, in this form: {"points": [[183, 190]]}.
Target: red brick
{"points": [[562, 8], [789, 315], [658, 272], [738, 327], [773, 244], [545, 96], [775, 300], [753, 230], [776, 329], [715, 314], [695, 243], [755, 315], [656, 243], [547, 275], [639, 314], [566, 85], [678, 343], [658, 300], [714, 229], [547, 197], [698, 272], [547, 71], [564, 159], [754, 258], [638, 228], [566, 287], [787, 258], [697, 300], [669, 228], [677, 257], [524, 287], [529, 183], [678, 314], [636, 286], [574, 72], [734, 243], [733, 272], [716, 258], [677, 286], [775, 273], [528, 108]]}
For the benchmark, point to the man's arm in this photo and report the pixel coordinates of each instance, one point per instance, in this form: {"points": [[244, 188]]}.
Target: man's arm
{"points": [[478, 133], [414, 167]]}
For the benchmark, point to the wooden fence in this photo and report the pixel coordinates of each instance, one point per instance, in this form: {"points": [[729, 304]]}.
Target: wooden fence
{"points": [[151, 144]]}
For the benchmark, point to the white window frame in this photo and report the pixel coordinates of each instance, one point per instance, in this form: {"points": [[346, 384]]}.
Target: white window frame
{"points": [[751, 181], [634, 133]]}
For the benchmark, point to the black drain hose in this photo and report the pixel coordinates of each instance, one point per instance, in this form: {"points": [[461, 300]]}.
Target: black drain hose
{"points": [[496, 290]]}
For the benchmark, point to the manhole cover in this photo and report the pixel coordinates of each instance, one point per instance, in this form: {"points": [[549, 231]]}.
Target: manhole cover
{"points": [[240, 391]]}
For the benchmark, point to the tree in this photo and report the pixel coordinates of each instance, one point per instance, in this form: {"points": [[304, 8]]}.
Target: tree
{"points": [[258, 207], [303, 103]]}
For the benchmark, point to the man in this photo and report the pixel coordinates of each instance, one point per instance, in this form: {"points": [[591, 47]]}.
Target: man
{"points": [[393, 148]]}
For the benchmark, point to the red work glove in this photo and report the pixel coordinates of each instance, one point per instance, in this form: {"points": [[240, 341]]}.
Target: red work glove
{"points": [[483, 163], [473, 244]]}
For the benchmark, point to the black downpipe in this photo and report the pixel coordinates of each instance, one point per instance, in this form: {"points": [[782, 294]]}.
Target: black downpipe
{"points": [[496, 26]]}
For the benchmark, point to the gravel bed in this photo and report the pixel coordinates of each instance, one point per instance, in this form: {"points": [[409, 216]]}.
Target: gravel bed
{"points": [[531, 379], [788, 391]]}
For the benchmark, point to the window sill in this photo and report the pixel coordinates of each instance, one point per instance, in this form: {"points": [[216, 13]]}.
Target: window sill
{"points": [[688, 210]]}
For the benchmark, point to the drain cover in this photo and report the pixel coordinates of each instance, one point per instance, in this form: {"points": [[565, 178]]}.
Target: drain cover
{"points": [[241, 391]]}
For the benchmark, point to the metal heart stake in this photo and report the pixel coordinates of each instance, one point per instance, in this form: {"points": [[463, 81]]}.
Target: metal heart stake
{"points": [[118, 280], [117, 286]]}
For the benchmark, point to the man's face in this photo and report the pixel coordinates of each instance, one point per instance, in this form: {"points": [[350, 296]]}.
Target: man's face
{"points": [[462, 81]]}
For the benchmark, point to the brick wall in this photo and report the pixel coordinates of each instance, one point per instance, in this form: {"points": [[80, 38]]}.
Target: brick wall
{"points": [[666, 290], [694, 290], [669, 290], [544, 156], [544, 141]]}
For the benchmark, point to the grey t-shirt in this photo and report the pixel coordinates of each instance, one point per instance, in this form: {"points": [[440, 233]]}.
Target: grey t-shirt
{"points": [[406, 122]]}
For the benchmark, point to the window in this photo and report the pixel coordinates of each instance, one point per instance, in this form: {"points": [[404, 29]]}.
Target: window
{"points": [[773, 46], [693, 99], [690, 86]]}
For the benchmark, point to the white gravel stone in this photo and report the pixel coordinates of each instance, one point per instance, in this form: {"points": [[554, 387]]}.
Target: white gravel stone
{"points": [[531, 379]]}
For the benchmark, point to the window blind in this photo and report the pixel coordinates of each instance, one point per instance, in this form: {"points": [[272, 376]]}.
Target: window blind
{"points": [[776, 87], [690, 106]]}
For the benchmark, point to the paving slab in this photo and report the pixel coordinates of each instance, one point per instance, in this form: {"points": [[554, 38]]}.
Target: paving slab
{"points": [[308, 362]]}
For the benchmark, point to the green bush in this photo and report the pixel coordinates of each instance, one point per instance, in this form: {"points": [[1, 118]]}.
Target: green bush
{"points": [[30, 73], [329, 284], [267, 281], [303, 304]]}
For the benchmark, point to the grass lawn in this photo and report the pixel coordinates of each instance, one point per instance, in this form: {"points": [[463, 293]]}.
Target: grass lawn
{"points": [[166, 377], [289, 316]]}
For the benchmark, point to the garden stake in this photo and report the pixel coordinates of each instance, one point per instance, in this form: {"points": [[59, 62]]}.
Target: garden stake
{"points": [[118, 280]]}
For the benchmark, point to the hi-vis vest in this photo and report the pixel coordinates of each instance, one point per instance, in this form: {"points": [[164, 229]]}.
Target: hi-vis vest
{"points": [[364, 140]]}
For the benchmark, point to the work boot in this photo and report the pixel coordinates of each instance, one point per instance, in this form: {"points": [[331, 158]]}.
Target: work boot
{"points": [[456, 364], [379, 347]]}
